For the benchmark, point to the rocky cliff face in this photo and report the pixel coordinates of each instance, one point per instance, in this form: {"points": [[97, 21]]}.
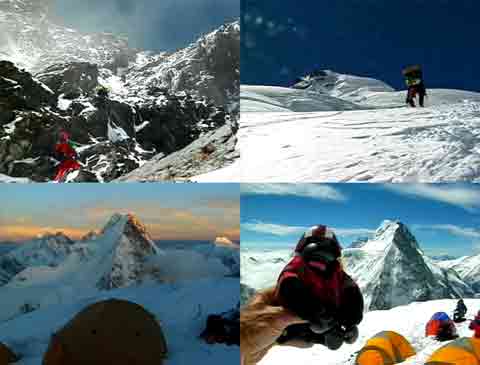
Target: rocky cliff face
{"points": [[121, 107], [132, 248]]}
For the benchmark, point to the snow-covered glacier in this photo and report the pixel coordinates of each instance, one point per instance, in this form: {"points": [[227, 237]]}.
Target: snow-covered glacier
{"points": [[337, 128]]}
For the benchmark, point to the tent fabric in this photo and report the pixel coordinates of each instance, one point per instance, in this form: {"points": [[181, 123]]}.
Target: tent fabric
{"points": [[7, 356], [385, 348], [441, 316], [464, 351], [109, 332]]}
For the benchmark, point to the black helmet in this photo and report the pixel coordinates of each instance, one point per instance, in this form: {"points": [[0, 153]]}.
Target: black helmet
{"points": [[319, 243]]}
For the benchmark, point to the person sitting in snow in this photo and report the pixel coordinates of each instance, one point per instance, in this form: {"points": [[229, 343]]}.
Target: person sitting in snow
{"points": [[67, 156], [475, 325], [314, 301], [460, 312], [414, 80]]}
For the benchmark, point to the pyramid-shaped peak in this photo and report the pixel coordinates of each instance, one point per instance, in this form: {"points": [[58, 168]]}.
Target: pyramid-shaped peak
{"points": [[115, 220], [392, 232], [133, 220]]}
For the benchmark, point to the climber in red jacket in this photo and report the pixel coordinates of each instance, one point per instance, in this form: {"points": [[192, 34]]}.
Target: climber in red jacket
{"points": [[475, 325], [67, 156], [314, 286]]}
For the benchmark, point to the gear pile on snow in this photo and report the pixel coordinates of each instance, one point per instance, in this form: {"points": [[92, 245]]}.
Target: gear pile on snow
{"points": [[441, 327], [7, 356], [223, 328], [109, 332]]}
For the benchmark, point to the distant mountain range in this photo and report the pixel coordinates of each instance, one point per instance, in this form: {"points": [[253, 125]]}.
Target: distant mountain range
{"points": [[390, 268], [54, 269]]}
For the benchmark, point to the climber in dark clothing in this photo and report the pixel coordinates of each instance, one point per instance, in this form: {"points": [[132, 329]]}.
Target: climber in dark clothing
{"points": [[460, 312], [314, 286], [414, 80]]}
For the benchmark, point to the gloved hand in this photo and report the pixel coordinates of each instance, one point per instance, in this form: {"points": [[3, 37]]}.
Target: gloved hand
{"points": [[334, 338], [322, 325], [351, 335]]}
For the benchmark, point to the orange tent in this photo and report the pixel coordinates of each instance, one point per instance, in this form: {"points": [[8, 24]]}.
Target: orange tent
{"points": [[385, 348], [464, 351], [109, 332], [7, 356]]}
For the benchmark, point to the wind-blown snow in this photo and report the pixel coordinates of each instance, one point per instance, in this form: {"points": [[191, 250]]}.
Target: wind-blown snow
{"points": [[356, 130], [409, 321]]}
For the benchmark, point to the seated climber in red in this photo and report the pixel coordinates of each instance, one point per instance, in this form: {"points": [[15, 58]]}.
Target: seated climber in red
{"points": [[67, 156], [314, 286], [475, 325]]}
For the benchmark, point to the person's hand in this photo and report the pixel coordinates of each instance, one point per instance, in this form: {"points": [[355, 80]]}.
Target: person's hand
{"points": [[262, 321]]}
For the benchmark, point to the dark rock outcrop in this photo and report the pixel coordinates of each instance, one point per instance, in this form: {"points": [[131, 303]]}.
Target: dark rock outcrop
{"points": [[210, 152]]}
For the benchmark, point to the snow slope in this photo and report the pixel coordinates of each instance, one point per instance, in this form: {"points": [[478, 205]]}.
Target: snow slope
{"points": [[379, 140], [409, 321], [182, 310]]}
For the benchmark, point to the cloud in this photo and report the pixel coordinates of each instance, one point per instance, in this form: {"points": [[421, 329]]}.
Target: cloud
{"points": [[26, 232], [271, 228], [353, 231], [461, 196], [174, 223], [285, 230], [452, 229], [315, 191]]}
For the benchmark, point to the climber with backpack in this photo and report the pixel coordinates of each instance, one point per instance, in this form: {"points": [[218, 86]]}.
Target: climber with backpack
{"points": [[66, 154], [414, 80]]}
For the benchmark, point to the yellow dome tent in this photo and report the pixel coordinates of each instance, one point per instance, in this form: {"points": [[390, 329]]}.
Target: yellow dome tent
{"points": [[385, 348], [109, 332], [464, 351], [6, 355]]}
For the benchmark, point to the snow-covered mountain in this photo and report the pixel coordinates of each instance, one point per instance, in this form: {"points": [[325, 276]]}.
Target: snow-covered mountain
{"points": [[390, 269], [226, 251], [408, 320], [54, 270], [153, 106], [48, 250], [181, 309], [467, 267], [335, 127]]}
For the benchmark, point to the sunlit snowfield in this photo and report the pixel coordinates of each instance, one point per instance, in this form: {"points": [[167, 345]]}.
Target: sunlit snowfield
{"points": [[351, 128]]}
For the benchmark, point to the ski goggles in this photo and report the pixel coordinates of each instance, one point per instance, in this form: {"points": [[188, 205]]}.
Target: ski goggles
{"points": [[312, 254]]}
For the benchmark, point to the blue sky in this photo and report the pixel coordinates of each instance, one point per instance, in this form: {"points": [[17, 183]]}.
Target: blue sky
{"points": [[445, 218], [374, 38], [170, 211], [164, 25]]}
